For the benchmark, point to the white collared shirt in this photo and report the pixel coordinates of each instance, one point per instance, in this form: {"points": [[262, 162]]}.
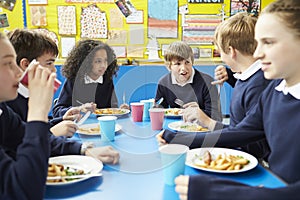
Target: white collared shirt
{"points": [[88, 80], [174, 81], [22, 90], [294, 90], [1, 111], [249, 72]]}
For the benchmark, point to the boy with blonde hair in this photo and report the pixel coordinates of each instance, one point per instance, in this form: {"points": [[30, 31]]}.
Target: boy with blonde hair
{"points": [[235, 41]]}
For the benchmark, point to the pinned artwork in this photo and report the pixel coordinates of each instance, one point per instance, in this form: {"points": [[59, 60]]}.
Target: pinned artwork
{"points": [[38, 15], [66, 20], [3, 21], [200, 29], [249, 6], [8, 4], [163, 18], [93, 22]]}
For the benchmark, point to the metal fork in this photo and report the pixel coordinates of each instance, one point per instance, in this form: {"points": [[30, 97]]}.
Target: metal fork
{"points": [[179, 102]]}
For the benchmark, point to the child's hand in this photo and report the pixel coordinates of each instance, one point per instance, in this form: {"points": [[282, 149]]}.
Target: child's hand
{"points": [[124, 106], [72, 114], [221, 75], [182, 186], [65, 128], [159, 138], [40, 85], [106, 154], [88, 107]]}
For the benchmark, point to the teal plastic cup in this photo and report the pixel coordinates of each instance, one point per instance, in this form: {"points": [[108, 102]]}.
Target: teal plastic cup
{"points": [[107, 127], [173, 161], [147, 105]]}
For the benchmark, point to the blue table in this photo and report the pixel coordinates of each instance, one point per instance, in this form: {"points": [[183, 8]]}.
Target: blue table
{"points": [[139, 174]]}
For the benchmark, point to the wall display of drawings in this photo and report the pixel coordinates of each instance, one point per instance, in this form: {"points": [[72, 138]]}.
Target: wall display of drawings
{"points": [[93, 22], [162, 18], [200, 29], [249, 6], [66, 16], [38, 15], [89, 1]]}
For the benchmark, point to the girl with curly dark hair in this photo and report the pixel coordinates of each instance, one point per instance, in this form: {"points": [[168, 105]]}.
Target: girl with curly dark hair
{"points": [[89, 71]]}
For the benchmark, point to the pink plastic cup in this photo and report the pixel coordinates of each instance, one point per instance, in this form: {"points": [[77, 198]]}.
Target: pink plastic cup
{"points": [[157, 118], [24, 81], [137, 111]]}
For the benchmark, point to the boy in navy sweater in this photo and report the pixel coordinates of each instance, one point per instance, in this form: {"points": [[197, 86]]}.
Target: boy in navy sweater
{"points": [[31, 45], [275, 117], [23, 172], [187, 84]]}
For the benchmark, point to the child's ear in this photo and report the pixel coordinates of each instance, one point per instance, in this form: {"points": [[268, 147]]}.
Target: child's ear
{"points": [[232, 51], [24, 62]]}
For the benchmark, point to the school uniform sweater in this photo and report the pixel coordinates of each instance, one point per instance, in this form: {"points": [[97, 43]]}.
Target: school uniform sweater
{"points": [[200, 90], [75, 92], [59, 145], [275, 117], [24, 153], [244, 98], [231, 80], [20, 106]]}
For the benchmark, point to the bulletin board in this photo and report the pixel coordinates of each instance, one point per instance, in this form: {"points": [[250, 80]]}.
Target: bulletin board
{"points": [[128, 35]]}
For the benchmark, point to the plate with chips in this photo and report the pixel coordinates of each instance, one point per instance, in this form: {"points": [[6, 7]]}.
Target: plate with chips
{"points": [[220, 160], [111, 112], [173, 112], [187, 127], [94, 129], [70, 165]]}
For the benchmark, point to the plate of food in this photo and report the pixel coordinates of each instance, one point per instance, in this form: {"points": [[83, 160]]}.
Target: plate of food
{"points": [[94, 129], [187, 127], [220, 160], [69, 166], [111, 111], [173, 112]]}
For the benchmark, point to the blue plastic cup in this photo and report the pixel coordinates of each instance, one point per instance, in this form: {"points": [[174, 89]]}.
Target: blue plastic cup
{"points": [[107, 127], [173, 161], [147, 105]]}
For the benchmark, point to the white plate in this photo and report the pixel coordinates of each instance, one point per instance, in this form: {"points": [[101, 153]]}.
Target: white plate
{"points": [[194, 154], [95, 125], [85, 163], [177, 126], [169, 113], [116, 112]]}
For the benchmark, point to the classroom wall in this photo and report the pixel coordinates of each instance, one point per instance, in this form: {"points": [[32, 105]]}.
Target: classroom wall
{"points": [[21, 17]]}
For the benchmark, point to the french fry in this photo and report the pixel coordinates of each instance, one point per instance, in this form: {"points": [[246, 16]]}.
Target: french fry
{"points": [[223, 162]]}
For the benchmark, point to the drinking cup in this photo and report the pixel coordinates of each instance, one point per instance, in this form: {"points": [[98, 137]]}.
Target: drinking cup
{"points": [[157, 118], [107, 127], [173, 161], [137, 111], [147, 105]]}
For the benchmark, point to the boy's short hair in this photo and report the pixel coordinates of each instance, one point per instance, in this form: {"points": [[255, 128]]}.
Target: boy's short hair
{"points": [[178, 50], [31, 45], [237, 32]]}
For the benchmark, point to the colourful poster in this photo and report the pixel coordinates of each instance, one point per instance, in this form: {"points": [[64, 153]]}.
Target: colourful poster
{"points": [[163, 18]]}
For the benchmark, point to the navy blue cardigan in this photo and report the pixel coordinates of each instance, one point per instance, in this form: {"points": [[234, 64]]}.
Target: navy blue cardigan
{"points": [[20, 106], [75, 92], [200, 91], [59, 145], [24, 151]]}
